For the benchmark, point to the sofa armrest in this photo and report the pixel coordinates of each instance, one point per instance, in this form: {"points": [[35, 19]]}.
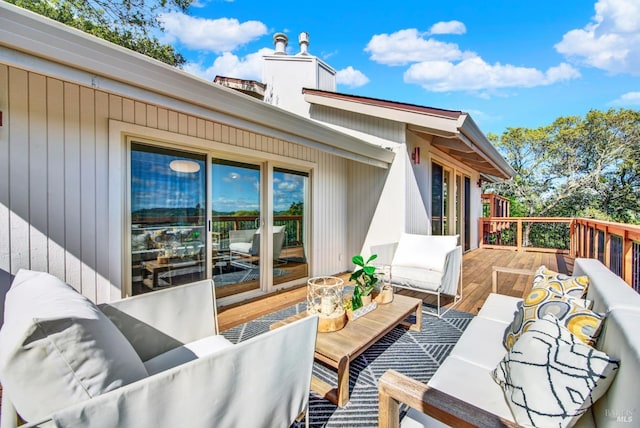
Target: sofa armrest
{"points": [[395, 388], [496, 269], [261, 382]]}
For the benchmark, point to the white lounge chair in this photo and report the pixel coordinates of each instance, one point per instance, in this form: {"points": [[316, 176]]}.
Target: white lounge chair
{"points": [[425, 263], [245, 245]]}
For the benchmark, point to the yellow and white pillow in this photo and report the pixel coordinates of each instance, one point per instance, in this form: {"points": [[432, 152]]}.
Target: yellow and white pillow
{"points": [[582, 322], [574, 286]]}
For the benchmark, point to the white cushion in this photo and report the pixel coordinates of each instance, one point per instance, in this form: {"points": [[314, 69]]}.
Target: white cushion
{"points": [[57, 348], [241, 247], [474, 346], [408, 276], [423, 251], [499, 307], [472, 384], [186, 353], [550, 377]]}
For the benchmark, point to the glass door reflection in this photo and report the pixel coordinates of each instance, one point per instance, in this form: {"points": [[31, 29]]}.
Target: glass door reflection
{"points": [[235, 226], [290, 202], [167, 218]]}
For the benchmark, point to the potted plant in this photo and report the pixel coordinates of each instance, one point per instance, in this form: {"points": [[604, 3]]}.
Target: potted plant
{"points": [[365, 278]]}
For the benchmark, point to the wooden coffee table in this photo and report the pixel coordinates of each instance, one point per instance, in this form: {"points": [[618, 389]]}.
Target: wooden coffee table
{"points": [[337, 349]]}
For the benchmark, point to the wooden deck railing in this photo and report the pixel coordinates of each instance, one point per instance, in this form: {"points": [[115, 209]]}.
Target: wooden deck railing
{"points": [[616, 245]]}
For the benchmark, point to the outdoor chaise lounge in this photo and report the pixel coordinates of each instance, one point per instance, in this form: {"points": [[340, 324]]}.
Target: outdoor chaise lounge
{"points": [[549, 372], [154, 360], [425, 263]]}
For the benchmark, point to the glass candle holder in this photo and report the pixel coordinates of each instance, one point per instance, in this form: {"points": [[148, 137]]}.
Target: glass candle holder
{"points": [[324, 296]]}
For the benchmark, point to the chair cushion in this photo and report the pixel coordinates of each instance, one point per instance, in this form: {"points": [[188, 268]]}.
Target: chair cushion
{"points": [[186, 353], [423, 251], [551, 378], [582, 322], [57, 348], [241, 247], [424, 279]]}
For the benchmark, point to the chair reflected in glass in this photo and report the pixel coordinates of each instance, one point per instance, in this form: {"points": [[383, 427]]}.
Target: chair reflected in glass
{"points": [[244, 246]]}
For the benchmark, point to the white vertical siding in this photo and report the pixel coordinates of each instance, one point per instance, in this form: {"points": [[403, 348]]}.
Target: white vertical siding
{"points": [[58, 208], [5, 213]]}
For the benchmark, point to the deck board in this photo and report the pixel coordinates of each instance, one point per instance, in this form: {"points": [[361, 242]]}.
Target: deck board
{"points": [[476, 278]]}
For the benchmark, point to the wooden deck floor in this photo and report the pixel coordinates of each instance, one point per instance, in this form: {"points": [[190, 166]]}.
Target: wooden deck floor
{"points": [[476, 278]]}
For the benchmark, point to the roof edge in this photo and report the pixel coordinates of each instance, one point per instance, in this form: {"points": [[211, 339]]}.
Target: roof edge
{"points": [[40, 37]]}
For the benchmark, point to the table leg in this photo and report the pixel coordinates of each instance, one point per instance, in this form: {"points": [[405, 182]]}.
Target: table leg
{"points": [[343, 382], [418, 325]]}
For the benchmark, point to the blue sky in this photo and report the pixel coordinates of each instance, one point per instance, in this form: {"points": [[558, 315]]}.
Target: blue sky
{"points": [[508, 63]]}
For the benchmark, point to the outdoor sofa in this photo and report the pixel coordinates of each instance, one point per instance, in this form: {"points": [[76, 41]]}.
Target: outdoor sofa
{"points": [[463, 390], [153, 360]]}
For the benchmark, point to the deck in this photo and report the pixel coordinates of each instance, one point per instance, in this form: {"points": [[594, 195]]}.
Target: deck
{"points": [[476, 278]]}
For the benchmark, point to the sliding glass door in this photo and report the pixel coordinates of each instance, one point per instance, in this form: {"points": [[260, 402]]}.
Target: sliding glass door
{"points": [[290, 210], [168, 233], [440, 204], [236, 226], [243, 224]]}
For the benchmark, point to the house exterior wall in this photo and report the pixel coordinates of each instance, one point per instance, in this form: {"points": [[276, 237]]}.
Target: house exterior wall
{"points": [[399, 206], [60, 205]]}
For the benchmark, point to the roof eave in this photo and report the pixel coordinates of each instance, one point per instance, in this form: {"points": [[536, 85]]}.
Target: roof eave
{"points": [[41, 37], [470, 130]]}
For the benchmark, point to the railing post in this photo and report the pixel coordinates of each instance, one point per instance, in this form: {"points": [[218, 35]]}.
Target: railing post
{"points": [[519, 235], [627, 258]]}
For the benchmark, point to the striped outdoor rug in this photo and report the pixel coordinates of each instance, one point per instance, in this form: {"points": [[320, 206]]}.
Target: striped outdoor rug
{"points": [[415, 354]]}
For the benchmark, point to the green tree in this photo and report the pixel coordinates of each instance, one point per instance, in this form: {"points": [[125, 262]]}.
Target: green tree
{"points": [[128, 23], [577, 166]]}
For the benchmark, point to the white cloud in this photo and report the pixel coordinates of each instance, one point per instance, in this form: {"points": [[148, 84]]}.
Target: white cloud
{"points": [[440, 67], [474, 74], [448, 27], [628, 99], [230, 65], [611, 41], [214, 35], [351, 77], [407, 46]]}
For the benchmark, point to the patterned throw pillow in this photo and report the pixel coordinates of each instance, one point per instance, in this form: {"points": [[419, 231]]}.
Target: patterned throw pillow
{"points": [[574, 286], [582, 322], [550, 378]]}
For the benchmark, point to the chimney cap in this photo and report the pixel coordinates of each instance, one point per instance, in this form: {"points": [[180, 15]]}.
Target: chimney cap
{"points": [[280, 40], [303, 39]]}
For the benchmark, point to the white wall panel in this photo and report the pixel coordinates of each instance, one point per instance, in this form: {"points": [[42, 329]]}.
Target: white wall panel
{"points": [[5, 247], [37, 173], [55, 177]]}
